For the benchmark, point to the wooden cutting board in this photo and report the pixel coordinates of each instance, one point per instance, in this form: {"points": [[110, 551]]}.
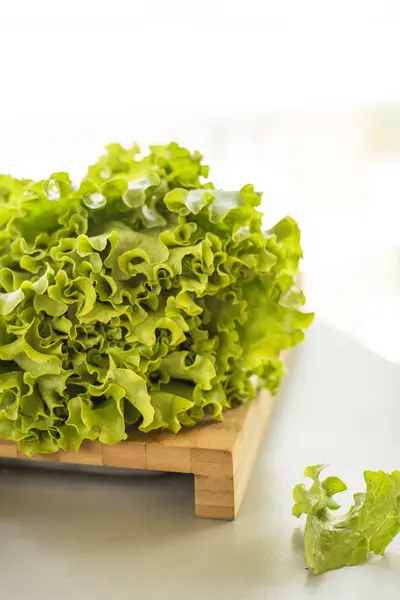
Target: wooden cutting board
{"points": [[219, 455]]}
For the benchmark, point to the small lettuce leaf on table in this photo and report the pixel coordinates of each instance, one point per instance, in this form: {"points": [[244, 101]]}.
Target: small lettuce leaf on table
{"points": [[333, 541]]}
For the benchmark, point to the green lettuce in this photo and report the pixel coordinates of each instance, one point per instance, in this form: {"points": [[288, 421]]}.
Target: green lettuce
{"points": [[141, 298], [332, 541]]}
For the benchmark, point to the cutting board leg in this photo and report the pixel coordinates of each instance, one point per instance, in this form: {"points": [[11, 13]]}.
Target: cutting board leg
{"points": [[221, 476], [215, 497]]}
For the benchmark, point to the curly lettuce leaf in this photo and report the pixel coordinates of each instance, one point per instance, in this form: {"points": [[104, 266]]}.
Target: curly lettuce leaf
{"points": [[333, 541]]}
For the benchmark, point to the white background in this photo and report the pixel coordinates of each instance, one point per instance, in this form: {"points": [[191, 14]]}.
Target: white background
{"points": [[282, 94]]}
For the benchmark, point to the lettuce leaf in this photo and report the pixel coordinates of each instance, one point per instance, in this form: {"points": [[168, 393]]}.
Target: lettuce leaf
{"points": [[332, 541], [143, 298]]}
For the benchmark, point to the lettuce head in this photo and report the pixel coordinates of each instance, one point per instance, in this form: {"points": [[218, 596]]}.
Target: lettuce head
{"points": [[142, 298]]}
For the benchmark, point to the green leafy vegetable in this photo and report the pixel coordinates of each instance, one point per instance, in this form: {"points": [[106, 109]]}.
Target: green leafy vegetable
{"points": [[333, 541], [142, 298]]}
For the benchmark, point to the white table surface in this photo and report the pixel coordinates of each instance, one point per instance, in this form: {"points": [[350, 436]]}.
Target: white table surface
{"points": [[66, 536]]}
